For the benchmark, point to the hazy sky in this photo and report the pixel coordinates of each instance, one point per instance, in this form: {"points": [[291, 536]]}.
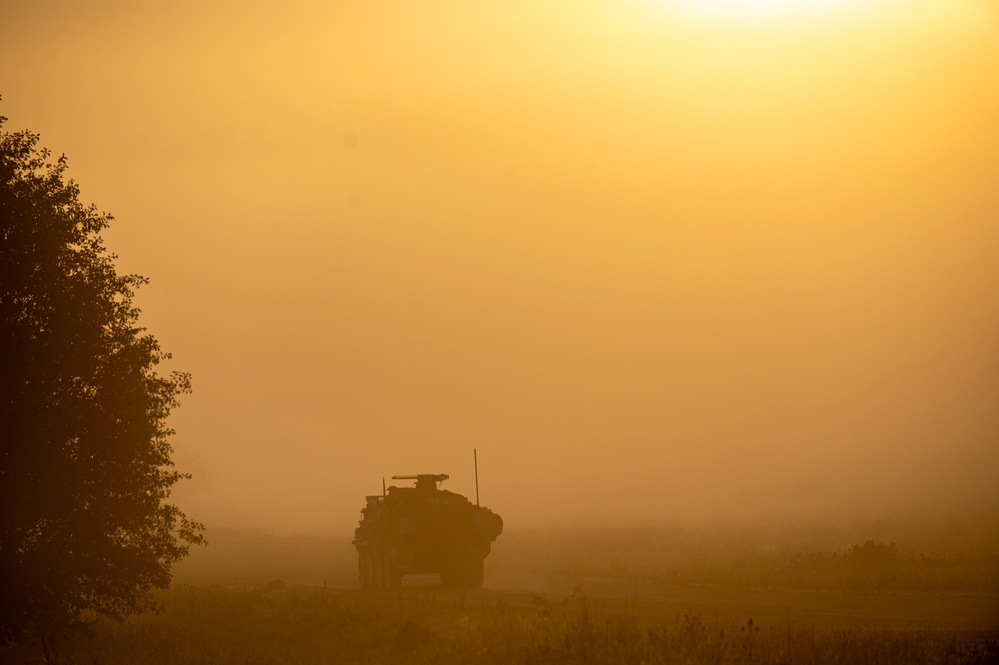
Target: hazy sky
{"points": [[655, 260]]}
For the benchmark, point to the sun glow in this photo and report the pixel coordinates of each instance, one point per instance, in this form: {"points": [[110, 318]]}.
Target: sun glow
{"points": [[755, 9]]}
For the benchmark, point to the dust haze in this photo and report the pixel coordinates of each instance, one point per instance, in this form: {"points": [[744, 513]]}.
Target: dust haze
{"points": [[657, 269]]}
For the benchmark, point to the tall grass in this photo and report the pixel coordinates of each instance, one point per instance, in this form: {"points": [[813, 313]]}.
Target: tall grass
{"points": [[246, 626]]}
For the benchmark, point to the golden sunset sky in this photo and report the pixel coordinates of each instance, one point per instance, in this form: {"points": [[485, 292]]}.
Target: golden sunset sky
{"points": [[657, 261]]}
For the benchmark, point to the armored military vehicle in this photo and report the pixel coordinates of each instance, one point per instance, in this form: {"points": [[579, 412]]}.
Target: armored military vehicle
{"points": [[423, 529]]}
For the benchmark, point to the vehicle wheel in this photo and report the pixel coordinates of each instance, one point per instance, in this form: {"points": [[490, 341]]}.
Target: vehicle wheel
{"points": [[392, 576], [475, 574], [449, 578], [464, 575], [364, 572], [377, 576]]}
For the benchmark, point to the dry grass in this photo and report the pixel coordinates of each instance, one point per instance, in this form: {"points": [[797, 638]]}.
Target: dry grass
{"points": [[245, 626], [665, 596]]}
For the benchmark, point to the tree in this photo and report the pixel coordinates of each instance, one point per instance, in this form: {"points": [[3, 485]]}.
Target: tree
{"points": [[85, 459]]}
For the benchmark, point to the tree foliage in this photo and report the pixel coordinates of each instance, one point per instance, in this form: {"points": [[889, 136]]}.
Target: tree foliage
{"points": [[85, 462]]}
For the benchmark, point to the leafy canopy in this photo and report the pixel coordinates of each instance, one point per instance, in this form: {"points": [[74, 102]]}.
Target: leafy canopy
{"points": [[85, 458]]}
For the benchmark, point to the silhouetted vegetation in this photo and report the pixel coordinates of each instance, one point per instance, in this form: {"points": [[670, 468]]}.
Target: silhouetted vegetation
{"points": [[277, 625], [276, 607], [85, 471]]}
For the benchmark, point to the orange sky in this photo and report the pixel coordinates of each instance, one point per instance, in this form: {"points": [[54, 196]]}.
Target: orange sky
{"points": [[655, 263]]}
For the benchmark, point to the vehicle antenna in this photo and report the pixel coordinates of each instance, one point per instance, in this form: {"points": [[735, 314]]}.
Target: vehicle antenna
{"points": [[475, 457], [383, 485]]}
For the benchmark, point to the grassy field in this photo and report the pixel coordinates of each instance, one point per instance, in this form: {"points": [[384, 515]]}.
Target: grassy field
{"points": [[426, 624], [627, 597]]}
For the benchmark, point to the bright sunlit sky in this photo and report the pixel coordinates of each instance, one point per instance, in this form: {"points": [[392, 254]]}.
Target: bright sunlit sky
{"points": [[657, 261]]}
